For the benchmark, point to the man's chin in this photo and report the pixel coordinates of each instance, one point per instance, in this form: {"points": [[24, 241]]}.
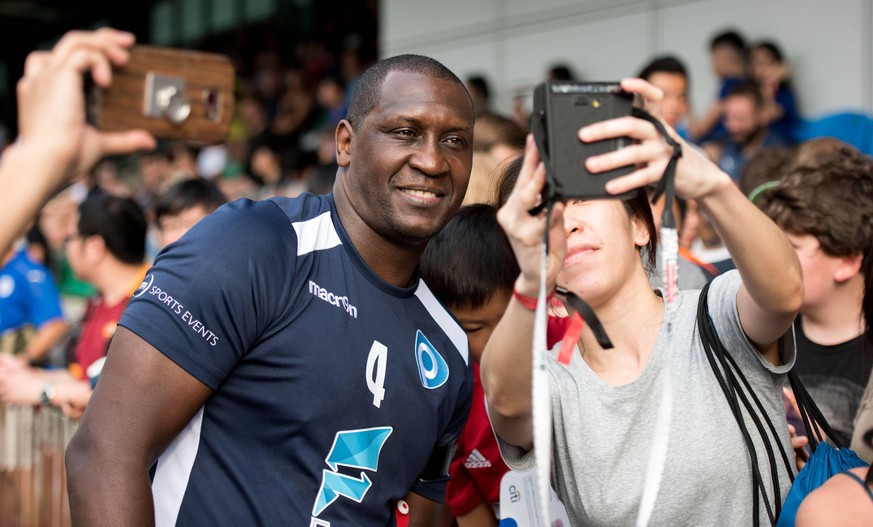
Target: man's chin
{"points": [[414, 232]]}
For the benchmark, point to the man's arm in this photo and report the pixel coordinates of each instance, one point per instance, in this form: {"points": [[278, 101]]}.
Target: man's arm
{"points": [[143, 400], [422, 511], [481, 516]]}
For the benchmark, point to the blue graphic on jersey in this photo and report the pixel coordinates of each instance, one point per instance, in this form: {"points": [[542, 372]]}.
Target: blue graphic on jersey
{"points": [[358, 448], [432, 367], [355, 449], [334, 485]]}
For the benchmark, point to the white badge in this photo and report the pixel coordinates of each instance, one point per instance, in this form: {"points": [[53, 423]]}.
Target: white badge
{"points": [[518, 502]]}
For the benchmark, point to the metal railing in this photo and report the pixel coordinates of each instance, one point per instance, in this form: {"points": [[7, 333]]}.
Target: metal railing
{"points": [[33, 484]]}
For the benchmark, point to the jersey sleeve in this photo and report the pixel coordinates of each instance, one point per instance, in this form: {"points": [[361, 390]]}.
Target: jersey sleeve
{"points": [[210, 295], [435, 489]]}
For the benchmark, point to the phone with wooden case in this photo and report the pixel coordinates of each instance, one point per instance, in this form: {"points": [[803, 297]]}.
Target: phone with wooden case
{"points": [[173, 93]]}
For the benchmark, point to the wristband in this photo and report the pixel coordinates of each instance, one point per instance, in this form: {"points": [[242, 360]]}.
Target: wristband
{"points": [[530, 302]]}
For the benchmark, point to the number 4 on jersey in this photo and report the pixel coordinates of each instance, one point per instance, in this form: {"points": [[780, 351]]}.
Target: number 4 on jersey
{"points": [[376, 364]]}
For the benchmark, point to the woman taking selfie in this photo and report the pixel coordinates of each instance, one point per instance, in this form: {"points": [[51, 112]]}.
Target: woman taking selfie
{"points": [[605, 402]]}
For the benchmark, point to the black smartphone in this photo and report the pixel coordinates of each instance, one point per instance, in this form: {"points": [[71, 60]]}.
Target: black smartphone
{"points": [[560, 109]]}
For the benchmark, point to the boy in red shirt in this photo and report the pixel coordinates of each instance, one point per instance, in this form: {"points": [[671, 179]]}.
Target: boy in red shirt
{"points": [[470, 267]]}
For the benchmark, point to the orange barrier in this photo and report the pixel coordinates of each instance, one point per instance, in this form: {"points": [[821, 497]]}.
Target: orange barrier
{"points": [[33, 489]]}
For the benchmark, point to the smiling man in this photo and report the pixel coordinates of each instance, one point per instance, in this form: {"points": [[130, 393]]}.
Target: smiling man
{"points": [[283, 363]]}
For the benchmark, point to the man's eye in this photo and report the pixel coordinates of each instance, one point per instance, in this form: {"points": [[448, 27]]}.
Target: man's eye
{"points": [[472, 330]]}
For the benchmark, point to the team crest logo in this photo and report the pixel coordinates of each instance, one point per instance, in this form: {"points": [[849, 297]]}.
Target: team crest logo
{"points": [[144, 286], [432, 367]]}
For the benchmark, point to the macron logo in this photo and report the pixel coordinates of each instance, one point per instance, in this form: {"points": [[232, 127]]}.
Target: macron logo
{"points": [[476, 460], [331, 298]]}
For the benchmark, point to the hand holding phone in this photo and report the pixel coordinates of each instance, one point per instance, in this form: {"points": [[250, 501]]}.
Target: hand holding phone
{"points": [[561, 109], [172, 93]]}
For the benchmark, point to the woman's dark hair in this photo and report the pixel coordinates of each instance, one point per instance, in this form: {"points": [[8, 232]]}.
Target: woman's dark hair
{"points": [[637, 206]]}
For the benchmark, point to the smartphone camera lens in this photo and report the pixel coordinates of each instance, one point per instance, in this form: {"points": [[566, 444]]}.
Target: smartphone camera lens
{"points": [[210, 104]]}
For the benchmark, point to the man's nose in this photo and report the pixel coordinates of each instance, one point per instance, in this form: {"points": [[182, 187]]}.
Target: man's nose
{"points": [[429, 158]]}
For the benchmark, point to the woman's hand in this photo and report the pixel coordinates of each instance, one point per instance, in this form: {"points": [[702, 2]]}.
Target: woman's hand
{"points": [[526, 232], [51, 101], [695, 175]]}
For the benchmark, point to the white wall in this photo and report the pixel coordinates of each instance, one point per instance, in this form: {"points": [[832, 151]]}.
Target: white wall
{"points": [[512, 42]]}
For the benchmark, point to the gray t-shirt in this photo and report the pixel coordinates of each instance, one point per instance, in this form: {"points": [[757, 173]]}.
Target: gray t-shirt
{"points": [[602, 434]]}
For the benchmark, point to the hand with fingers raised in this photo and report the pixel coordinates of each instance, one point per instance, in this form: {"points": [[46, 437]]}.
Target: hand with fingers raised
{"points": [[696, 176], [526, 232], [55, 142], [51, 101]]}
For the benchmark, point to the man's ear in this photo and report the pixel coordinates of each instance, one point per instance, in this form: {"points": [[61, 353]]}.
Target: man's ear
{"points": [[344, 135], [850, 265], [95, 248]]}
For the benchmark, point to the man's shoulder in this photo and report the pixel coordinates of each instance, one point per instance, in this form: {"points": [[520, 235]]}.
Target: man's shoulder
{"points": [[253, 224], [304, 207]]}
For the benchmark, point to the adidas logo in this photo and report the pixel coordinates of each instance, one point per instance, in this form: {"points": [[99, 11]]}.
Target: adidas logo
{"points": [[476, 460]]}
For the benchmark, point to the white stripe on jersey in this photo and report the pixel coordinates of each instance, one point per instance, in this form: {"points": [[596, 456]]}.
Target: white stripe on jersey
{"points": [[444, 319], [316, 234], [174, 471]]}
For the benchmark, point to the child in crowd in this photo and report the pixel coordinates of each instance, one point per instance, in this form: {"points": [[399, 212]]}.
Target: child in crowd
{"points": [[769, 68], [470, 267], [727, 54], [31, 320], [826, 212], [183, 205]]}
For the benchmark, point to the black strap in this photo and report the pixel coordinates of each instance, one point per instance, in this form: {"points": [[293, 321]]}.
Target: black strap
{"points": [[868, 438], [667, 185], [813, 419], [588, 315], [538, 130], [738, 391]]}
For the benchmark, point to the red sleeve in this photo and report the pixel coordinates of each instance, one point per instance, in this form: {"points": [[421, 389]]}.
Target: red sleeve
{"points": [[462, 494]]}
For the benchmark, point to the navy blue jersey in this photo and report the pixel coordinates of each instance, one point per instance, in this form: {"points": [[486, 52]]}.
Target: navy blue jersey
{"points": [[331, 387]]}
